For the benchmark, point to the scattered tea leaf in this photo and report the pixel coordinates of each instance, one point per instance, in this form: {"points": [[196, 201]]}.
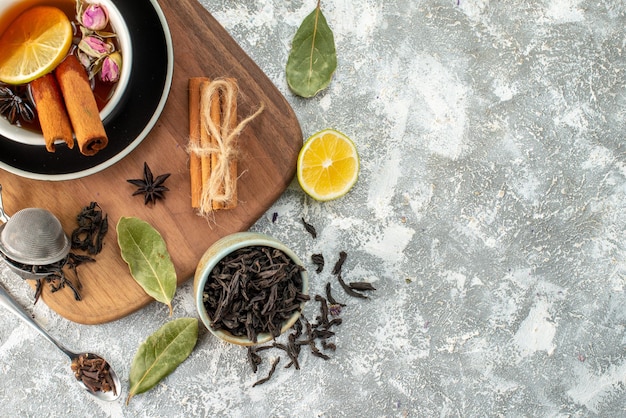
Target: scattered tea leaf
{"points": [[332, 300], [339, 264], [270, 374], [304, 334], [161, 354], [361, 286], [313, 58], [92, 227], [145, 252], [318, 260], [309, 228], [349, 290]]}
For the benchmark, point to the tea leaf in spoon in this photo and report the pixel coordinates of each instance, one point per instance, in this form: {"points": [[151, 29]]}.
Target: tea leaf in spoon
{"points": [[145, 252], [161, 354], [313, 59]]}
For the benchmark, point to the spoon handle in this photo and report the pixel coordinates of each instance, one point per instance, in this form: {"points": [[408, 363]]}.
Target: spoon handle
{"points": [[11, 304]]}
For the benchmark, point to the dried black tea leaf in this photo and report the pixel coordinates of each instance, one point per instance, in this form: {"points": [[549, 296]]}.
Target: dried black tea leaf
{"points": [[292, 350], [339, 264], [331, 300], [57, 280], [328, 346], [318, 260], [323, 318], [349, 290], [271, 373], [253, 358], [91, 230], [309, 228], [361, 286], [316, 351]]}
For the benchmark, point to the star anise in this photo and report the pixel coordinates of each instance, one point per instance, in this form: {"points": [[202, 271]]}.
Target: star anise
{"points": [[152, 188], [14, 106]]}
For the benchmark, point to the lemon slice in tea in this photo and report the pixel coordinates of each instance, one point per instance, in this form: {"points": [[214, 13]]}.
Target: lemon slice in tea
{"points": [[34, 44]]}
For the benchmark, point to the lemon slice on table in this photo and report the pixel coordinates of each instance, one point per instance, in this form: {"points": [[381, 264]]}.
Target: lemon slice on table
{"points": [[34, 44], [328, 165]]}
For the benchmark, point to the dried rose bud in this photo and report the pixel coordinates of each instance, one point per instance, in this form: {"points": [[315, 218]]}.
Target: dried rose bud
{"points": [[111, 67], [94, 46], [334, 309], [95, 17], [84, 59]]}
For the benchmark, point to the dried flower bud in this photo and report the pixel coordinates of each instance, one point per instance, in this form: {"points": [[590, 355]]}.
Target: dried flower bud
{"points": [[84, 59], [95, 17], [94, 46], [111, 67]]}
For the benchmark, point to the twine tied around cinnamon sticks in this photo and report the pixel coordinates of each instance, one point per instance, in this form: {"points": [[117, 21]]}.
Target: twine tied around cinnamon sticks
{"points": [[213, 143]]}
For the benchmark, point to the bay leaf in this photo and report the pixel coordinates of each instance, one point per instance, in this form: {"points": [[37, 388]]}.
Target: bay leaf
{"points": [[161, 354], [145, 252], [313, 58]]}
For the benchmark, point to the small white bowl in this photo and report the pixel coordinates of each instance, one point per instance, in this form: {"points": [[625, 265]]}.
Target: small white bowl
{"points": [[215, 254], [10, 9]]}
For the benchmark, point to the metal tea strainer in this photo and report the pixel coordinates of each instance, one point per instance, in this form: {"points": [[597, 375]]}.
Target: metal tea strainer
{"points": [[31, 239]]}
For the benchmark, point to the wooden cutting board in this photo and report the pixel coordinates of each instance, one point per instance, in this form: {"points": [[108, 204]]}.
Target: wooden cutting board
{"points": [[269, 148]]}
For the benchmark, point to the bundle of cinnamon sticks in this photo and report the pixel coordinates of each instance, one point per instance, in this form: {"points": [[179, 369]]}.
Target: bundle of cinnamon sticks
{"points": [[213, 160], [66, 107], [213, 143]]}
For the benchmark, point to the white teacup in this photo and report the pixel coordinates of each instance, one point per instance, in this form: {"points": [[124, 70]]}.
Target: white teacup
{"points": [[11, 9]]}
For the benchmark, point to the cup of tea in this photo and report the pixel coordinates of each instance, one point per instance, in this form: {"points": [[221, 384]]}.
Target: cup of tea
{"points": [[110, 96]]}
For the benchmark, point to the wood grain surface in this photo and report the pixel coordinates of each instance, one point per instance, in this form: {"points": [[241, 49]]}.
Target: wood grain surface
{"points": [[267, 163]]}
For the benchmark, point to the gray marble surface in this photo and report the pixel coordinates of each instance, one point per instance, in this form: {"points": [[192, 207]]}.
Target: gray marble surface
{"points": [[490, 214]]}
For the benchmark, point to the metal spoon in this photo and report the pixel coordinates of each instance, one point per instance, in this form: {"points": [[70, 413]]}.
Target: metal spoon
{"points": [[8, 302]]}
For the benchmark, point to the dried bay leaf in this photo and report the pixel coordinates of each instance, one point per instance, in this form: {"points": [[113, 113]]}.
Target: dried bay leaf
{"points": [[313, 58], [161, 354], [145, 252]]}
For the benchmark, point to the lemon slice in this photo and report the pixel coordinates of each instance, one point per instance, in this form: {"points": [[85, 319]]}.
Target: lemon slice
{"points": [[34, 44], [328, 165]]}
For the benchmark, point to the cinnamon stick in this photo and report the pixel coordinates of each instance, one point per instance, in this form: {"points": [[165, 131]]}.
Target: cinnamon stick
{"points": [[53, 118], [207, 139], [229, 112], [81, 106], [195, 163]]}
